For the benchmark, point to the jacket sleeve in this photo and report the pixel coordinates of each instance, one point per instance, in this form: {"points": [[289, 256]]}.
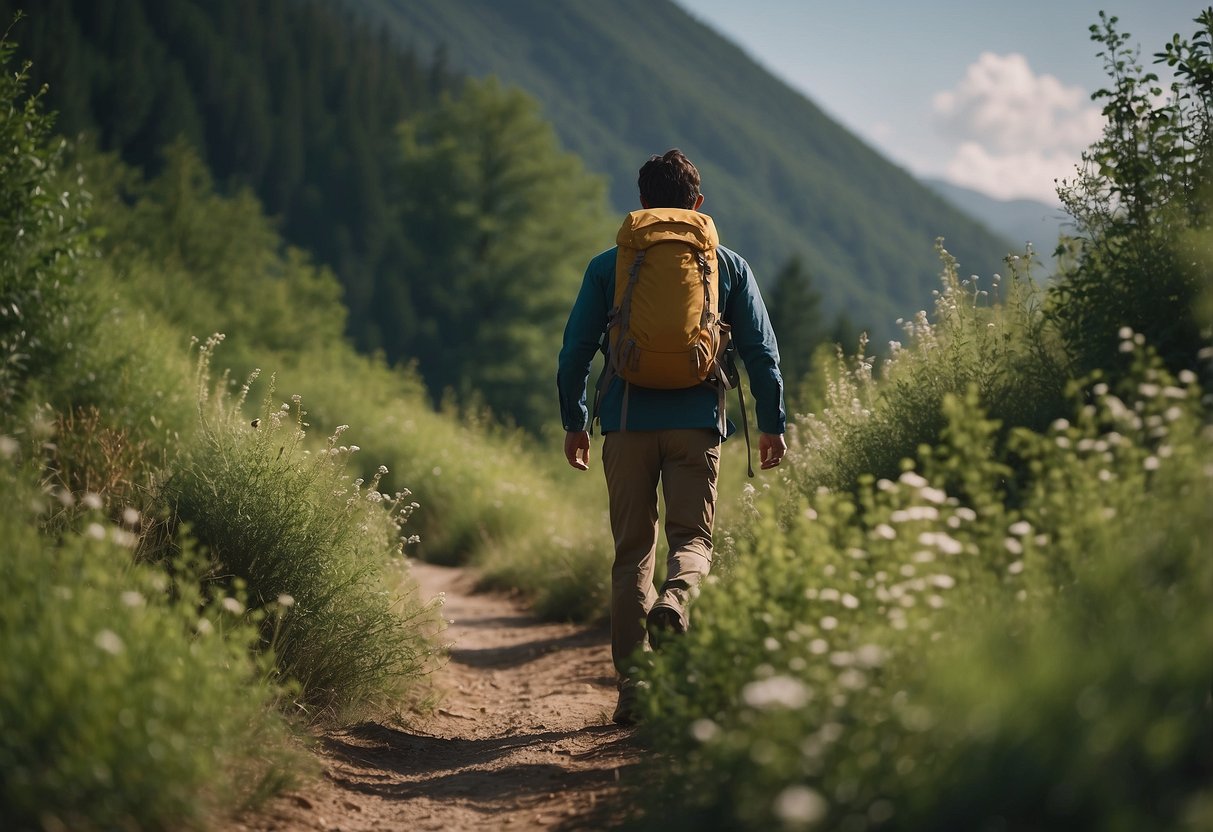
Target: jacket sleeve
{"points": [[582, 336], [759, 351]]}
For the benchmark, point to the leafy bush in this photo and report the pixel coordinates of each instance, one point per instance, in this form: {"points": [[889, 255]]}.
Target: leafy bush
{"points": [[126, 700], [40, 240], [1142, 192], [286, 521]]}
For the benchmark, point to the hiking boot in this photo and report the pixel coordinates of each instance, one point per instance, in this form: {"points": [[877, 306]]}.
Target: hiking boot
{"points": [[664, 623], [626, 710]]}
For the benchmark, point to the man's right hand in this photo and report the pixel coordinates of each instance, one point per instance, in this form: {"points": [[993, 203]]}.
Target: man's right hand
{"points": [[577, 449], [771, 448]]}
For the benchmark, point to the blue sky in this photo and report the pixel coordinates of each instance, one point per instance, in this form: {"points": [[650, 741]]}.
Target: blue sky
{"points": [[994, 96]]}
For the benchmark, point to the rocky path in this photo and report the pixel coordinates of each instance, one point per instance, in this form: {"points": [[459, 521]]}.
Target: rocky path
{"points": [[522, 738]]}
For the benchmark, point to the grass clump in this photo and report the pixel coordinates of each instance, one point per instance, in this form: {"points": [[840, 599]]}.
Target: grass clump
{"points": [[283, 518]]}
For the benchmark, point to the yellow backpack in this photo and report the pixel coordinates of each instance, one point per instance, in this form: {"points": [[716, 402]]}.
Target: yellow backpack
{"points": [[665, 331]]}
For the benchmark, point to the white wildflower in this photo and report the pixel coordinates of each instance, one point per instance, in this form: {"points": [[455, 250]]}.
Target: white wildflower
{"points": [[96, 531], [850, 601], [131, 516], [913, 479], [8, 447], [1013, 546], [1016, 567], [885, 531], [233, 606], [828, 623], [285, 600], [800, 806], [110, 642], [943, 581], [91, 500], [829, 594], [133, 599], [934, 495], [819, 647], [704, 730], [771, 643], [1021, 529], [776, 692], [1187, 377], [1151, 463]]}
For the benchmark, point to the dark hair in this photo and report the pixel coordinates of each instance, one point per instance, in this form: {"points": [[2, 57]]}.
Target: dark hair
{"points": [[669, 181]]}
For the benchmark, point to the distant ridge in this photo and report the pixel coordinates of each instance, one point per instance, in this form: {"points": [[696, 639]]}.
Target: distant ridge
{"points": [[629, 78], [1019, 220]]}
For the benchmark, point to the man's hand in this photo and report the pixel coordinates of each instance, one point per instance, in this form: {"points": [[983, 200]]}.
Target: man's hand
{"points": [[577, 449], [771, 449]]}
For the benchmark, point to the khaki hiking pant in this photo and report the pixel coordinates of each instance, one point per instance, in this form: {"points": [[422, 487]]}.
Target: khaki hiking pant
{"points": [[686, 462]]}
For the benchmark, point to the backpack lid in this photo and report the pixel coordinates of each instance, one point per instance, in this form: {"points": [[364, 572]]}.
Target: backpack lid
{"points": [[649, 226]]}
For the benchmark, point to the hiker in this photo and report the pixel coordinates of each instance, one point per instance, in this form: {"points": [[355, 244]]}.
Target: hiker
{"points": [[662, 412]]}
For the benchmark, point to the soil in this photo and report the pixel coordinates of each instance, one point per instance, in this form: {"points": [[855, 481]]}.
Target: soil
{"points": [[521, 739]]}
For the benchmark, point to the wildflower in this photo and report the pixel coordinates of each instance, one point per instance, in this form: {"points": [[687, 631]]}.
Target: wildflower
{"points": [[91, 500], [1151, 463], [943, 581], [776, 692], [850, 601], [800, 806], [96, 531], [285, 600], [942, 541], [934, 495], [204, 627], [828, 623], [1021, 529], [771, 644], [884, 530], [233, 606], [110, 642], [8, 447], [133, 599], [914, 480], [923, 556], [1060, 425], [819, 647], [1013, 546], [704, 730], [1187, 377], [1016, 567]]}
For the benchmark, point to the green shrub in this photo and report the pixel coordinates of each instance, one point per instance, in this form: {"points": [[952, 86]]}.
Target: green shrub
{"points": [[871, 421], [40, 242], [126, 700], [921, 654], [285, 519]]}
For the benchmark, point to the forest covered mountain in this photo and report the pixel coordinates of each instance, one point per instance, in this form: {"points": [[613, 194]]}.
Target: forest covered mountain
{"points": [[456, 217], [625, 79]]}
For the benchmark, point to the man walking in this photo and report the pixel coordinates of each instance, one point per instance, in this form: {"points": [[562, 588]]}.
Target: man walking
{"points": [[669, 433]]}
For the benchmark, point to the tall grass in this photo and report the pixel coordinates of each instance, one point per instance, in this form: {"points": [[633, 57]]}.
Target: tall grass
{"points": [[487, 497], [282, 517]]}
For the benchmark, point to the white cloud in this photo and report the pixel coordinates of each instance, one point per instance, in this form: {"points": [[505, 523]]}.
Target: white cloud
{"points": [[1014, 132]]}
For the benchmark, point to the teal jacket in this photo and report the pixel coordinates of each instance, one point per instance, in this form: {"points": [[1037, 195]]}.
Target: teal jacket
{"points": [[741, 307]]}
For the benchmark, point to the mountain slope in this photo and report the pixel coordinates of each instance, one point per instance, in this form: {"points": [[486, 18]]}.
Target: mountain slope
{"points": [[1019, 220], [627, 79]]}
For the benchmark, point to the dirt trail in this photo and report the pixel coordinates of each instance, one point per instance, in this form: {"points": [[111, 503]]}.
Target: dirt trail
{"points": [[522, 738]]}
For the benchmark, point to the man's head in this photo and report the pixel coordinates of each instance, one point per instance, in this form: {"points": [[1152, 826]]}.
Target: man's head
{"points": [[670, 181]]}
